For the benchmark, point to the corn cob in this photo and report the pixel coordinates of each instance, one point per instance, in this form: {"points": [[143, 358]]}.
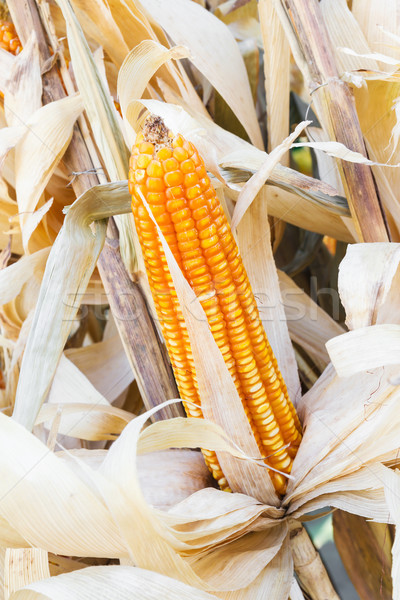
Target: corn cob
{"points": [[9, 39], [171, 175]]}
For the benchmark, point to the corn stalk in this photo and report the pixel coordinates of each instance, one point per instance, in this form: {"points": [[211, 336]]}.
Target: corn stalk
{"points": [[336, 109]]}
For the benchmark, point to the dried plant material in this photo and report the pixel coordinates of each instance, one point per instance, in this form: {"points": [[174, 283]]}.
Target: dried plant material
{"points": [[9, 138], [182, 473], [39, 151], [368, 284], [378, 120], [91, 503], [23, 93], [392, 489], [376, 56], [111, 583], [295, 591], [327, 167], [135, 28], [374, 19], [253, 186], [205, 36], [17, 311], [277, 74], [7, 61], [61, 564], [375, 100], [97, 101], [34, 230], [277, 90], [350, 465], [166, 477], [336, 111], [137, 69], [365, 348], [97, 19], [12, 278], [248, 31], [340, 151], [255, 247], [93, 422], [54, 312], [309, 325], [22, 567], [322, 470], [92, 415], [10, 538], [344, 30], [231, 11], [369, 566], [70, 532], [300, 212], [105, 364], [118, 481], [202, 570]]}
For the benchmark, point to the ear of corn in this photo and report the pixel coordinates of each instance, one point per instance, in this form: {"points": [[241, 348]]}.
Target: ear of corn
{"points": [[9, 39], [171, 175]]}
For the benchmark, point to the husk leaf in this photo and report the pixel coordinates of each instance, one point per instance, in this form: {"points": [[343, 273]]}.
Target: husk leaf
{"points": [[61, 288], [214, 52]]}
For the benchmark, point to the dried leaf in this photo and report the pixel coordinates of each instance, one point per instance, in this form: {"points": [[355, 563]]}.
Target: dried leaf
{"points": [[105, 364], [309, 325], [137, 69], [110, 583], [277, 74], [345, 31], [338, 150], [7, 61], [365, 348], [12, 278], [98, 103], [253, 186], [61, 286], [39, 151], [23, 566], [214, 52], [23, 93], [96, 18], [368, 284]]}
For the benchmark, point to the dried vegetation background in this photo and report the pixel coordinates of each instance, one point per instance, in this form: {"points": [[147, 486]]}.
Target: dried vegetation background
{"points": [[295, 107]]}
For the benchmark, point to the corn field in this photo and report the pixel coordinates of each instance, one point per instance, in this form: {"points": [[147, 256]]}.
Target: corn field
{"points": [[199, 299]]}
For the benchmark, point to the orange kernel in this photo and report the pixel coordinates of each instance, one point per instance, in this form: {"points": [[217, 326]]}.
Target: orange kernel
{"points": [[146, 148], [164, 153], [155, 169], [173, 178], [170, 164], [155, 184]]}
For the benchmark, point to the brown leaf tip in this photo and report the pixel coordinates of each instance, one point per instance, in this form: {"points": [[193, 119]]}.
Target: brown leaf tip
{"points": [[155, 131]]}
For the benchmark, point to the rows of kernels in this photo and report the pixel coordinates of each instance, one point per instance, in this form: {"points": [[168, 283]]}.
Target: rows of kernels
{"points": [[168, 310], [211, 228], [281, 405], [189, 214], [194, 264]]}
